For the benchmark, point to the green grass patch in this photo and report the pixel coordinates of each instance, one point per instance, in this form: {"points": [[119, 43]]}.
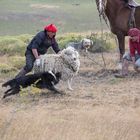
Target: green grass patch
{"points": [[102, 42], [16, 45], [30, 16], [11, 46], [17, 61], [71, 37], [5, 68]]}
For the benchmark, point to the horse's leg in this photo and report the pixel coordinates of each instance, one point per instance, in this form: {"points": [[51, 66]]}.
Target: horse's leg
{"points": [[121, 41]]}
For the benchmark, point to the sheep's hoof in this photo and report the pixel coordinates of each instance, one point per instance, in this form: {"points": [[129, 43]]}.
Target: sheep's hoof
{"points": [[57, 92], [71, 89]]}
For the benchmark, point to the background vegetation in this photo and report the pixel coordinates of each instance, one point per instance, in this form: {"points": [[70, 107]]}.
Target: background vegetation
{"points": [[12, 48], [30, 16], [21, 20], [101, 107]]}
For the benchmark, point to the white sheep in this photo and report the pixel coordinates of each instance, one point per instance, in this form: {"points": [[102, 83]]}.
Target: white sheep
{"points": [[84, 44], [66, 62]]}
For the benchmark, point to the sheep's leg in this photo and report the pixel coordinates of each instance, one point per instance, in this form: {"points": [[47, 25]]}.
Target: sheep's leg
{"points": [[69, 84]]}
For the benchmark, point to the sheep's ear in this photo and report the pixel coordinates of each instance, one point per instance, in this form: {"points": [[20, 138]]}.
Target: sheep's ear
{"points": [[91, 42], [63, 51]]}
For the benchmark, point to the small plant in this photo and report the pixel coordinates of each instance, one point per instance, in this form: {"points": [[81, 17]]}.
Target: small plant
{"points": [[17, 61], [11, 46], [4, 68], [26, 38], [30, 90], [65, 39], [101, 42]]}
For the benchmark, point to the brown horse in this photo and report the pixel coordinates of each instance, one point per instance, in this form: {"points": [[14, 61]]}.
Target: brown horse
{"points": [[118, 15]]}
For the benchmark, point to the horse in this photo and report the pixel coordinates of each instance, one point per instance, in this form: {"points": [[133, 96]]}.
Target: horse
{"points": [[118, 16]]}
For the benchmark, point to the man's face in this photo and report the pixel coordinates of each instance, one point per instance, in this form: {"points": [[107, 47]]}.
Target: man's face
{"points": [[51, 34]]}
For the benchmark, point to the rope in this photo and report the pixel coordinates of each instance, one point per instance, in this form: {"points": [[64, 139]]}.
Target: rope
{"points": [[101, 24], [93, 61], [103, 15]]}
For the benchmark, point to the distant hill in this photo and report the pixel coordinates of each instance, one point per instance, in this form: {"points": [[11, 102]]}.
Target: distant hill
{"points": [[30, 16]]}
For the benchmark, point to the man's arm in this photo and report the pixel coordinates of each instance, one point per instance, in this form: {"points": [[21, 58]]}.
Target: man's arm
{"points": [[55, 46], [35, 53], [38, 39]]}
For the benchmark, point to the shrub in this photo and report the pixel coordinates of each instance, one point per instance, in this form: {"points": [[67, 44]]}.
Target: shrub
{"points": [[26, 38], [16, 45], [5, 68], [101, 42], [17, 61], [11, 46], [65, 39]]}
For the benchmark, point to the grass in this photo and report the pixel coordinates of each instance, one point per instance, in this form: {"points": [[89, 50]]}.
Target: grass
{"points": [[30, 16], [16, 45], [12, 48], [26, 17], [99, 108]]}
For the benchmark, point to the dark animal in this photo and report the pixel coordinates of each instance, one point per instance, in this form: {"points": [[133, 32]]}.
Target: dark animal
{"points": [[118, 15], [41, 80]]}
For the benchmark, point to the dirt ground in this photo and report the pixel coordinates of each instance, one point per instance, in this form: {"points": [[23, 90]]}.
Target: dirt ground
{"points": [[101, 107]]}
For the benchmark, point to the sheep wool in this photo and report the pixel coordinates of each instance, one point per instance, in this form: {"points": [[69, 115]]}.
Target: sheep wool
{"points": [[66, 62]]}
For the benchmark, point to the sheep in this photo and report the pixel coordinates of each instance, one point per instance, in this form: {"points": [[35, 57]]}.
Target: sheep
{"points": [[66, 62], [85, 44]]}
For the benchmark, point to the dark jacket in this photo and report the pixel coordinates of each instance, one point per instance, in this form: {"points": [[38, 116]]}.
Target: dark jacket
{"points": [[42, 42]]}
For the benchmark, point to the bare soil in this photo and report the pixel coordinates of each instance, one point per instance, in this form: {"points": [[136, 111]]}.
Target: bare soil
{"points": [[101, 107]]}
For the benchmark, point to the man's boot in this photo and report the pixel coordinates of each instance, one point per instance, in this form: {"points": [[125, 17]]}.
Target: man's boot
{"points": [[21, 73]]}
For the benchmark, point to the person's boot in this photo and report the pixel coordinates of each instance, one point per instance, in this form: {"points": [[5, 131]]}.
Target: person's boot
{"points": [[21, 73]]}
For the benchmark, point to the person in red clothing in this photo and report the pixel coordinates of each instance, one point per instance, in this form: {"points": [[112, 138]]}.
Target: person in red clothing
{"points": [[133, 56]]}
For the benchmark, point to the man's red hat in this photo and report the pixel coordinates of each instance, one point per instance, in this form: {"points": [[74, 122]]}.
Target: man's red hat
{"points": [[51, 28]]}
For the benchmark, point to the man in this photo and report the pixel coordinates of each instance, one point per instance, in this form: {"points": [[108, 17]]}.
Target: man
{"points": [[133, 57], [38, 46], [131, 4]]}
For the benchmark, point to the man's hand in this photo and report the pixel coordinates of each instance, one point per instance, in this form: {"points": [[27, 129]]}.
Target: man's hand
{"points": [[38, 62]]}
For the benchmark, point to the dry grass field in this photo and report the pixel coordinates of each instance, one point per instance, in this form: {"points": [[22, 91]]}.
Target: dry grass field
{"points": [[101, 107]]}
